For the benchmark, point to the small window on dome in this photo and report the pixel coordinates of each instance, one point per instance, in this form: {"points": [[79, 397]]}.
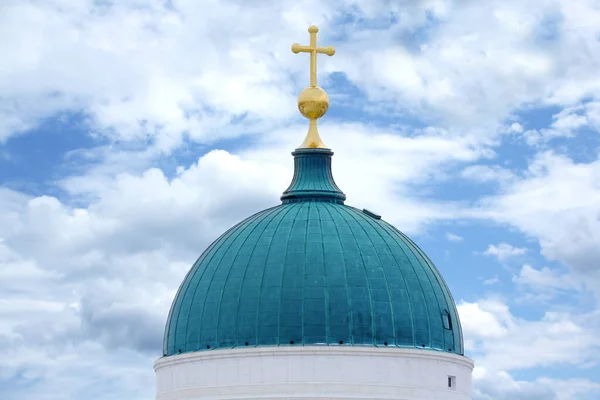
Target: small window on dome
{"points": [[447, 321]]}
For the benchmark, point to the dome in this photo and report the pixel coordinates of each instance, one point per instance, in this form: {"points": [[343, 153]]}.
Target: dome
{"points": [[313, 271]]}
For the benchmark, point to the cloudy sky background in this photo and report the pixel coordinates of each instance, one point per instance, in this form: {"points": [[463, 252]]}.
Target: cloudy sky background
{"points": [[133, 133]]}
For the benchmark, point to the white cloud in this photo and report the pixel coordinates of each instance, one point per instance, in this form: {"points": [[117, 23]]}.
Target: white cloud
{"points": [[491, 281], [94, 284], [487, 173], [500, 385], [498, 339], [504, 251], [385, 186], [490, 319], [452, 237], [568, 120], [567, 123], [164, 70], [151, 69], [545, 278], [75, 372], [516, 127], [557, 201], [483, 62]]}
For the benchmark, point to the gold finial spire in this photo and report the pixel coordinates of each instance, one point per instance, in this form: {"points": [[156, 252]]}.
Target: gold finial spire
{"points": [[313, 102]]}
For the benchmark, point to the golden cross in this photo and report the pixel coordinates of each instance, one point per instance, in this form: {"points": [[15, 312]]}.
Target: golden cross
{"points": [[313, 50]]}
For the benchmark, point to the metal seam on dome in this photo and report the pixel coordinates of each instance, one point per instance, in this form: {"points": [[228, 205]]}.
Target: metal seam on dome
{"points": [[220, 240], [321, 177], [368, 286], [301, 206], [348, 297], [408, 292], [428, 272], [295, 176], [310, 206], [373, 329], [326, 331], [372, 223], [347, 211], [272, 211], [301, 177], [314, 168], [262, 279], [195, 269], [325, 176], [327, 300], [328, 172], [433, 271], [304, 272], [326, 295], [254, 227], [412, 321], [458, 343], [245, 224], [423, 292], [326, 207], [224, 237], [292, 207], [447, 295], [442, 283], [298, 207], [187, 282]]}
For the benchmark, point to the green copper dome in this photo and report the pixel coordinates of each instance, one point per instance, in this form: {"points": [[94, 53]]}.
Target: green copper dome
{"points": [[313, 271]]}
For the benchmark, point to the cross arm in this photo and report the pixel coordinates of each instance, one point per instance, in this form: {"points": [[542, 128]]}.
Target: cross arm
{"points": [[296, 48], [329, 50]]}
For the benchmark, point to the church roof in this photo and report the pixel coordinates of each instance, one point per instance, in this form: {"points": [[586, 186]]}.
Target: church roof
{"points": [[313, 271]]}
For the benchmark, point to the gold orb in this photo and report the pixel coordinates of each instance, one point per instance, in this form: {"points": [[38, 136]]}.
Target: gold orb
{"points": [[313, 102]]}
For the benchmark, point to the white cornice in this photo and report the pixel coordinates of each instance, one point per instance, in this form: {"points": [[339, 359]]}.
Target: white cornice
{"points": [[273, 351]]}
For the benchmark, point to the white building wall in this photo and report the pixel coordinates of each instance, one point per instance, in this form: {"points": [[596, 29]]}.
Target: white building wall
{"points": [[310, 372]]}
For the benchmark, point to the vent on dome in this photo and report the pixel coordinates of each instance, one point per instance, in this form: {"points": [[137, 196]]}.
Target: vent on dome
{"points": [[371, 214]]}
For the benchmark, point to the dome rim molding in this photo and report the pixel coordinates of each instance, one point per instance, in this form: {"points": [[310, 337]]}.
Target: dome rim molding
{"points": [[286, 350]]}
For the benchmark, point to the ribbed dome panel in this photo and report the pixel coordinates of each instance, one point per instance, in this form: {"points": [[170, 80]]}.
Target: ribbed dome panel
{"points": [[313, 272]]}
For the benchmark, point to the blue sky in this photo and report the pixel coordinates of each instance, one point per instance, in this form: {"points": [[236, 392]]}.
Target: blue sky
{"points": [[133, 133]]}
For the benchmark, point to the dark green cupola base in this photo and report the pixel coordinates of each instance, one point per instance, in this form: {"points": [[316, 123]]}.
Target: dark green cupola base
{"points": [[313, 271], [313, 179]]}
